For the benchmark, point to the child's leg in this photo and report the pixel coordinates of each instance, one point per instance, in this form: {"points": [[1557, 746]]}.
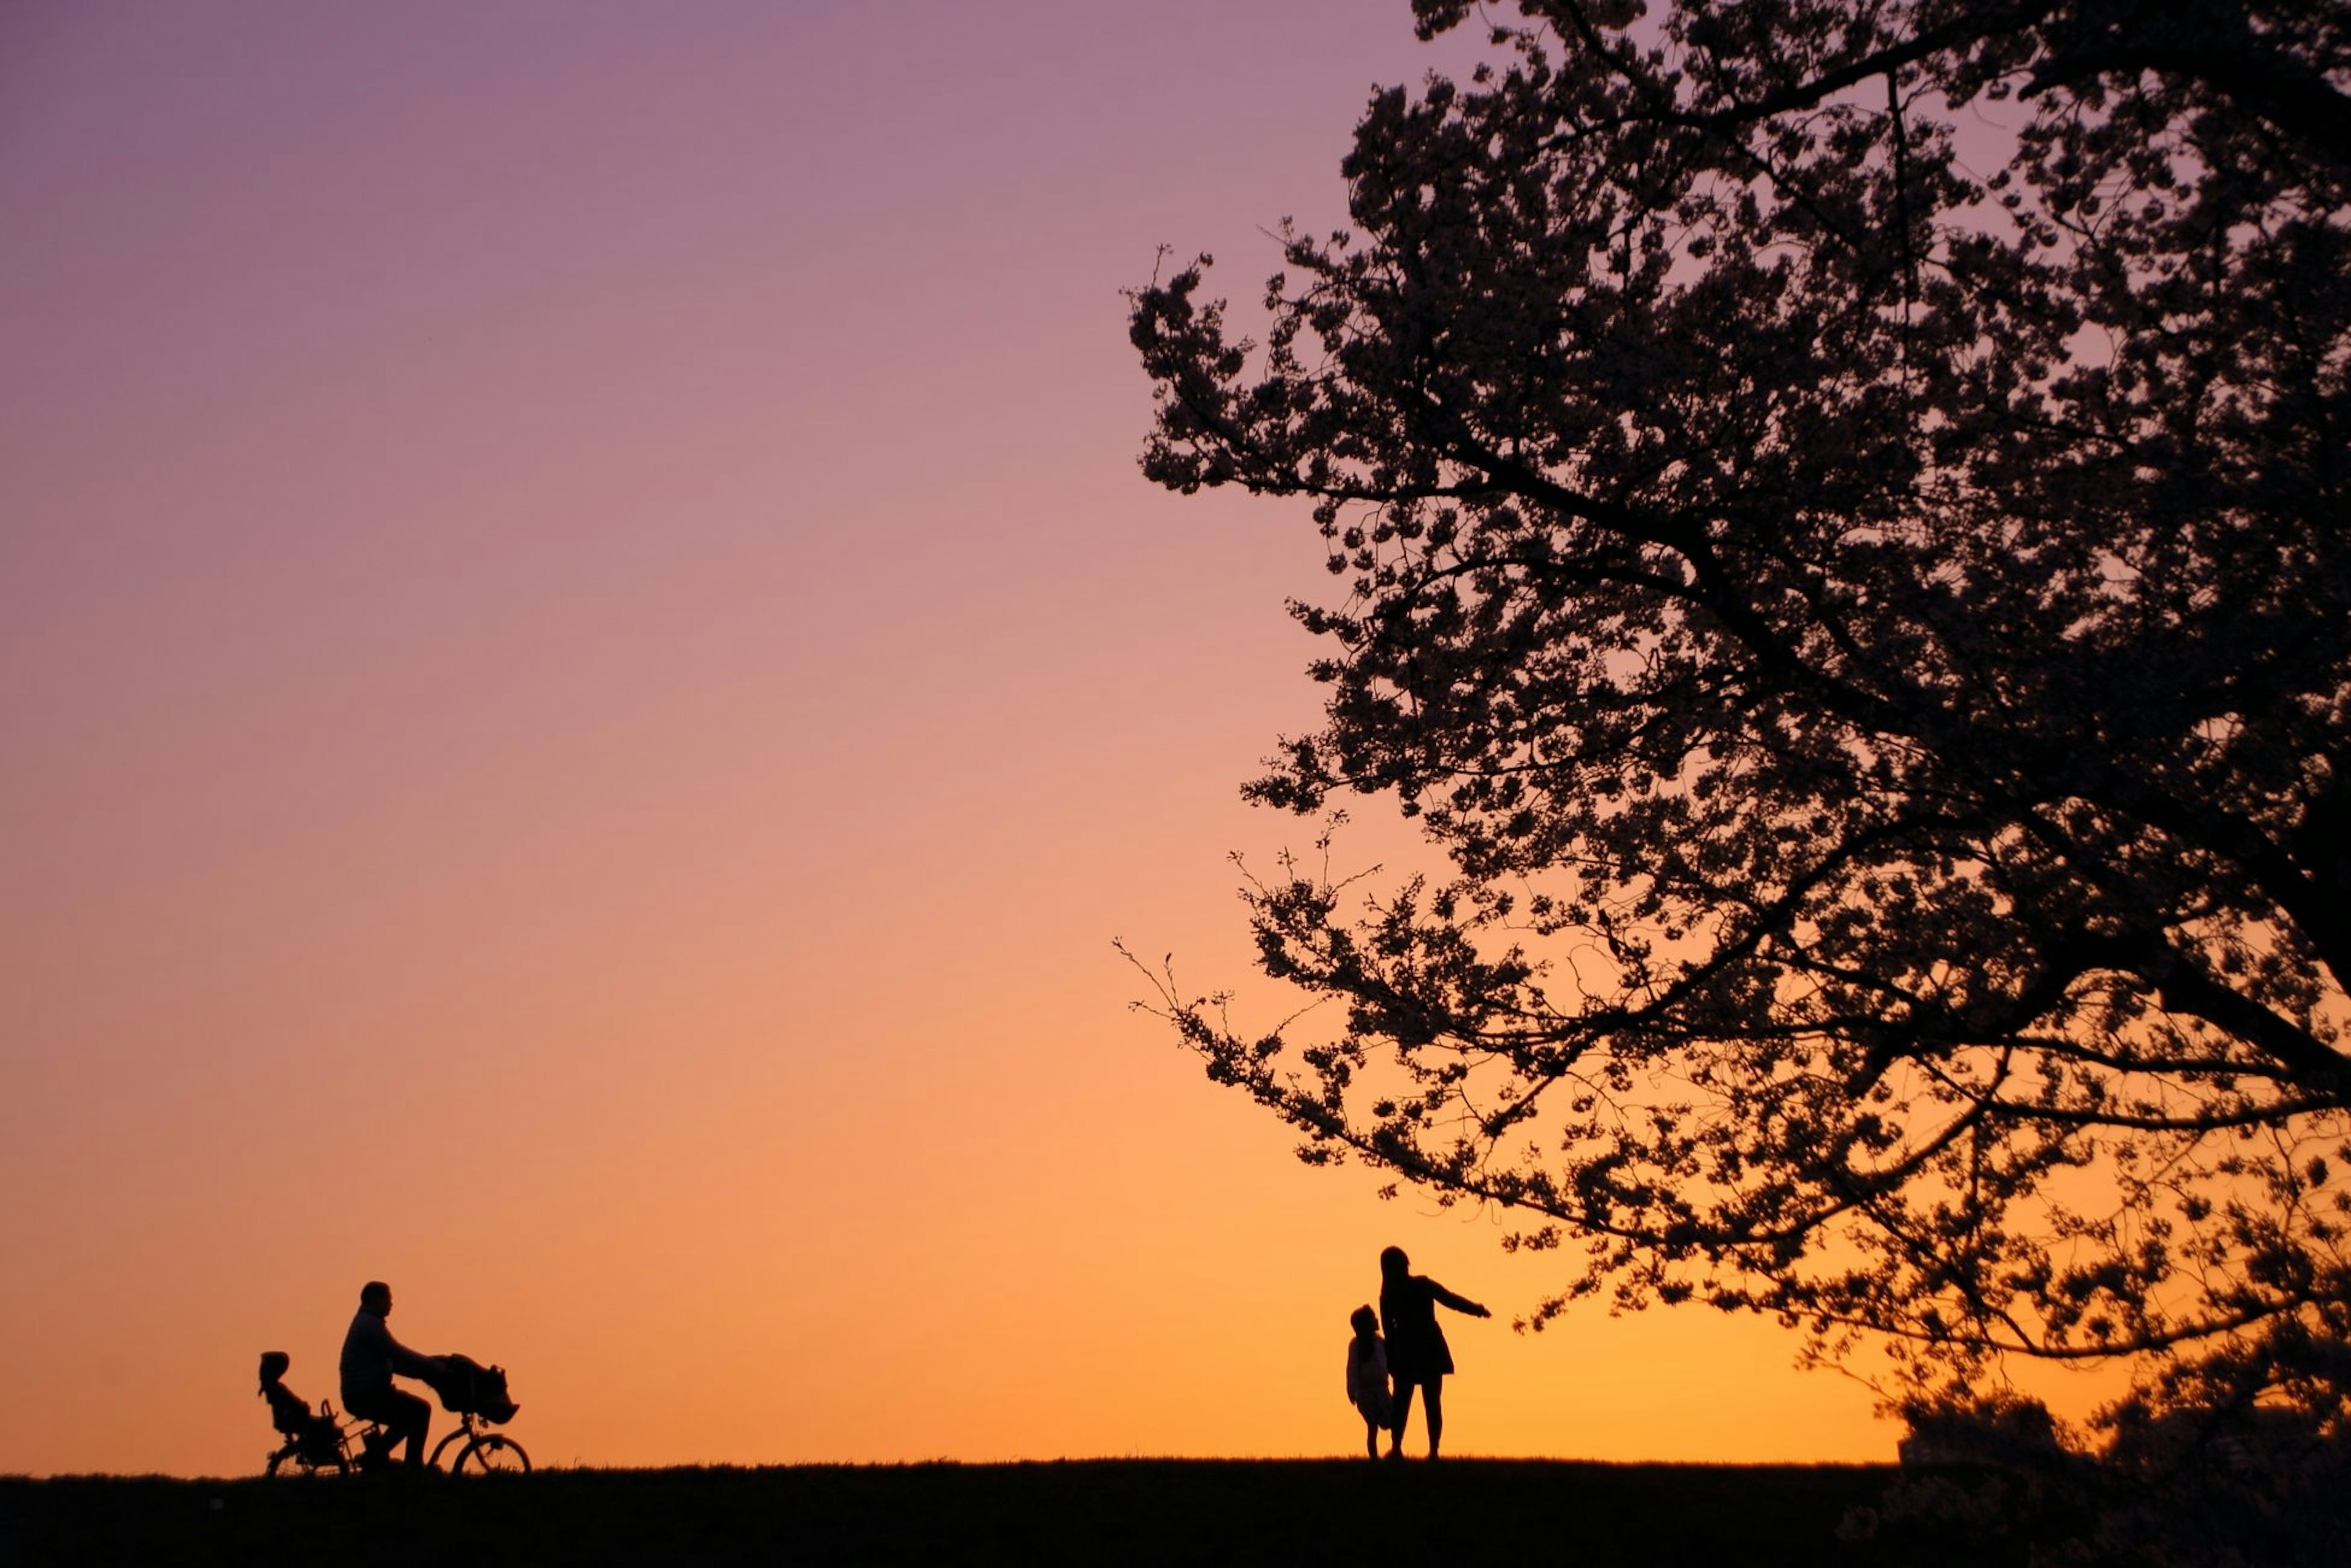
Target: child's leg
{"points": [[1370, 1437]]}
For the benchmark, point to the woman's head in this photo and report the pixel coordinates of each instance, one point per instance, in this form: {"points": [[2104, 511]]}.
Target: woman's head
{"points": [[1394, 1264]]}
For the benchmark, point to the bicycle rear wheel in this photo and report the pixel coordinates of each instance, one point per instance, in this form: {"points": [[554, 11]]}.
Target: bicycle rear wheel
{"points": [[491, 1453]]}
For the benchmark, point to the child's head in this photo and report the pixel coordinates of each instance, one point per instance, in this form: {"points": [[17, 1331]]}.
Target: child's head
{"points": [[274, 1363], [1367, 1322]]}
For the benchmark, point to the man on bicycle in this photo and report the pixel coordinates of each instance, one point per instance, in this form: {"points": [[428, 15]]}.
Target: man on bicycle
{"points": [[371, 1357]]}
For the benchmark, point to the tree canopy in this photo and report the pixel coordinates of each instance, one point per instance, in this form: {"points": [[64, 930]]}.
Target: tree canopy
{"points": [[1842, 513]]}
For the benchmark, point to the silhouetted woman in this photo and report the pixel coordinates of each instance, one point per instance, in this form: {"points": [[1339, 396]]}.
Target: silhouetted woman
{"points": [[1418, 1356]]}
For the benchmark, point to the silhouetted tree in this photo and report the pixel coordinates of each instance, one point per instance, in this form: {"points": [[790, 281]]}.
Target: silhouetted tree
{"points": [[1863, 598]]}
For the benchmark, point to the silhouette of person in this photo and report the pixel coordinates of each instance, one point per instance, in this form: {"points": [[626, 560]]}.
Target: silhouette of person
{"points": [[371, 1357], [312, 1433], [1367, 1377], [1418, 1356], [288, 1411]]}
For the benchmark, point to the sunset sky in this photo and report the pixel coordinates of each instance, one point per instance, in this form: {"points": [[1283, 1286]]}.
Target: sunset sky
{"points": [[588, 678]]}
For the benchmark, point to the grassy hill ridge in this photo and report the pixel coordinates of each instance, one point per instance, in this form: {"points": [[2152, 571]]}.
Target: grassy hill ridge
{"points": [[1227, 1513]]}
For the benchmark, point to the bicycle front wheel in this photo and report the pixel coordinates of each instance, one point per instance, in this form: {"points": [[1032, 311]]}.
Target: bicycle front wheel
{"points": [[491, 1453]]}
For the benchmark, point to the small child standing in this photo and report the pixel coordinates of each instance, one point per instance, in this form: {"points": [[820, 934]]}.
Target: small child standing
{"points": [[1367, 1377]]}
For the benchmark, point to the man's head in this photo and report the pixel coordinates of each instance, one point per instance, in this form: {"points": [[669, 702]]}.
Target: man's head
{"points": [[375, 1296]]}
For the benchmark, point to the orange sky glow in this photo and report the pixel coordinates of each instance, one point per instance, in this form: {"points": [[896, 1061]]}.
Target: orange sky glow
{"points": [[587, 679]]}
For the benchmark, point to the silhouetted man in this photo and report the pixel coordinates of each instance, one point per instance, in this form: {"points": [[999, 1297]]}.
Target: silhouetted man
{"points": [[371, 1357]]}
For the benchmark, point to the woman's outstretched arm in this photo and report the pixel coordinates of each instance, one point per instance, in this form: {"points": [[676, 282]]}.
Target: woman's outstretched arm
{"points": [[1458, 1303]]}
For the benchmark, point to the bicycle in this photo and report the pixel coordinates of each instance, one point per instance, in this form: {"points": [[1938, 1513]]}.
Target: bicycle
{"points": [[324, 1443], [365, 1446]]}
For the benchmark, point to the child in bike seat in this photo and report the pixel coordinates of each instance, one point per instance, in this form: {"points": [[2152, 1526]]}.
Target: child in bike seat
{"points": [[287, 1413]]}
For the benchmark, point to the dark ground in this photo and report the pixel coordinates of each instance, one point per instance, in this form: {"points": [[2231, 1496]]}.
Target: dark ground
{"points": [[1227, 1513]]}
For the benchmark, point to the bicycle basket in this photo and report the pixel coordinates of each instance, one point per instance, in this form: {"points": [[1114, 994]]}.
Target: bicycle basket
{"points": [[467, 1387]]}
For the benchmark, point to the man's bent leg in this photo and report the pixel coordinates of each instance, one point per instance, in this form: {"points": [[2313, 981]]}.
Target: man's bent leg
{"points": [[413, 1420], [400, 1414]]}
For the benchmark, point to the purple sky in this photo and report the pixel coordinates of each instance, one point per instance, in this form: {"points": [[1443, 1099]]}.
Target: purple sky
{"points": [[587, 676]]}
